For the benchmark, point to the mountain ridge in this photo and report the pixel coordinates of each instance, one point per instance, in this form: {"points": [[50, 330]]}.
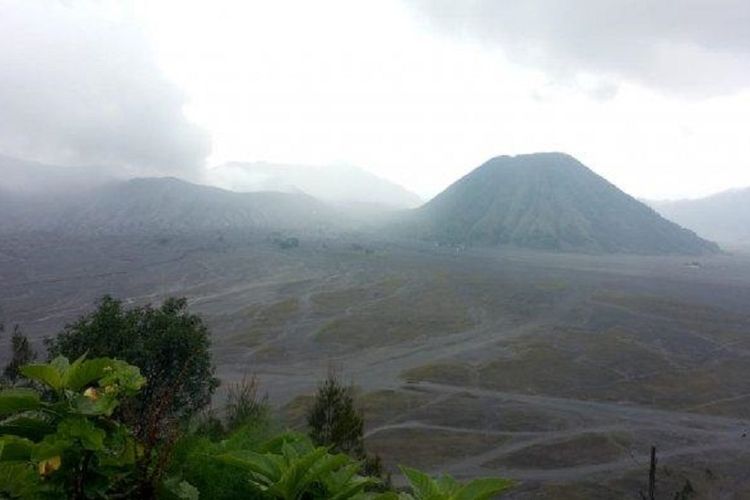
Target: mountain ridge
{"points": [[169, 204], [338, 185], [724, 216]]}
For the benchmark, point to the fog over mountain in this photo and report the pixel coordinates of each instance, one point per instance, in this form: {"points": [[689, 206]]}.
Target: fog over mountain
{"points": [[165, 205], [340, 185], [24, 177], [403, 247], [723, 217]]}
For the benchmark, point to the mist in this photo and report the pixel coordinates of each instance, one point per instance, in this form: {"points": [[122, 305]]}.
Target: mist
{"points": [[80, 86]]}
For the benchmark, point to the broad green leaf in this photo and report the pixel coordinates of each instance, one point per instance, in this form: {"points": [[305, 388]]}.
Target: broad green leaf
{"points": [[15, 448], [77, 428], [44, 373], [104, 404], [301, 471], [61, 364], [345, 483], [18, 400], [84, 372], [126, 378], [260, 464], [299, 441], [448, 486], [18, 480], [174, 488], [33, 427], [51, 446], [423, 485], [388, 495], [483, 489]]}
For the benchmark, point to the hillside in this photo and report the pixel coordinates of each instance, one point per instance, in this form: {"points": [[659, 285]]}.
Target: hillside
{"points": [[724, 217], [170, 205], [548, 201], [28, 177], [339, 185]]}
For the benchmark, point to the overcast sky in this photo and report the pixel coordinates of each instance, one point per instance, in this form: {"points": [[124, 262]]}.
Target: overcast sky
{"points": [[653, 95]]}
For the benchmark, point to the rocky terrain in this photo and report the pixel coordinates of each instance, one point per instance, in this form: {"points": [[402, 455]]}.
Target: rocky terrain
{"points": [[559, 370]]}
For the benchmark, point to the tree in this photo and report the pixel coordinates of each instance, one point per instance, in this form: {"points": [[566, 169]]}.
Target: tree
{"points": [[171, 347], [21, 354], [334, 421]]}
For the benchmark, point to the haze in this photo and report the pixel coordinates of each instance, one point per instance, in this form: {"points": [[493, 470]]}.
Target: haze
{"points": [[454, 248], [654, 97]]}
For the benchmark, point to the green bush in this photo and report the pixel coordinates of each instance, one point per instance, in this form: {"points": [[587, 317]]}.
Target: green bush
{"points": [[290, 467], [21, 353], [62, 441], [171, 347], [446, 488]]}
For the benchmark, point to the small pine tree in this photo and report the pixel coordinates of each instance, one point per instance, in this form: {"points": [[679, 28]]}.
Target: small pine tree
{"points": [[334, 421], [21, 354]]}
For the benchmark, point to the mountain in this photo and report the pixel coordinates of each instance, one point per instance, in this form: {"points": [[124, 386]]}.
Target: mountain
{"points": [[339, 185], [724, 217], [167, 204], [28, 177], [548, 201]]}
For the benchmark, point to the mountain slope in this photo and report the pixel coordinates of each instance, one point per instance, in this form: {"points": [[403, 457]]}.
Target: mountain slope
{"points": [[29, 177], [338, 185], [548, 201], [723, 217], [175, 206]]}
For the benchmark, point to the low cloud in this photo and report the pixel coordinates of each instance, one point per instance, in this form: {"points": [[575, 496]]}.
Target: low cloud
{"points": [[695, 48], [79, 85]]}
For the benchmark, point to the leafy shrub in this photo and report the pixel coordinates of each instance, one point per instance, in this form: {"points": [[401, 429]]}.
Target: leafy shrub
{"points": [[168, 344], [195, 458], [21, 353], [446, 488], [171, 347], [63, 442], [289, 467]]}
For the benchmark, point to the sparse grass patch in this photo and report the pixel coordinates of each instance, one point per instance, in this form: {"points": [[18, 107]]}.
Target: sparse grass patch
{"points": [[585, 449], [444, 373], [383, 406], [419, 313], [429, 448], [266, 321], [339, 301]]}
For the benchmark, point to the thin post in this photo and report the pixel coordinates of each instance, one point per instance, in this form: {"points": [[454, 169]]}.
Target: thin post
{"points": [[652, 475]]}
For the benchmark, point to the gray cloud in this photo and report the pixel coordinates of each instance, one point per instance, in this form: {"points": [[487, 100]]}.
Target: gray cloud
{"points": [[692, 47], [80, 87]]}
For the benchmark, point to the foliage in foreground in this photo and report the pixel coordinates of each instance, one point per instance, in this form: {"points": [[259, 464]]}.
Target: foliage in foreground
{"points": [[446, 488], [94, 429], [168, 344], [61, 441], [21, 354], [171, 347]]}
